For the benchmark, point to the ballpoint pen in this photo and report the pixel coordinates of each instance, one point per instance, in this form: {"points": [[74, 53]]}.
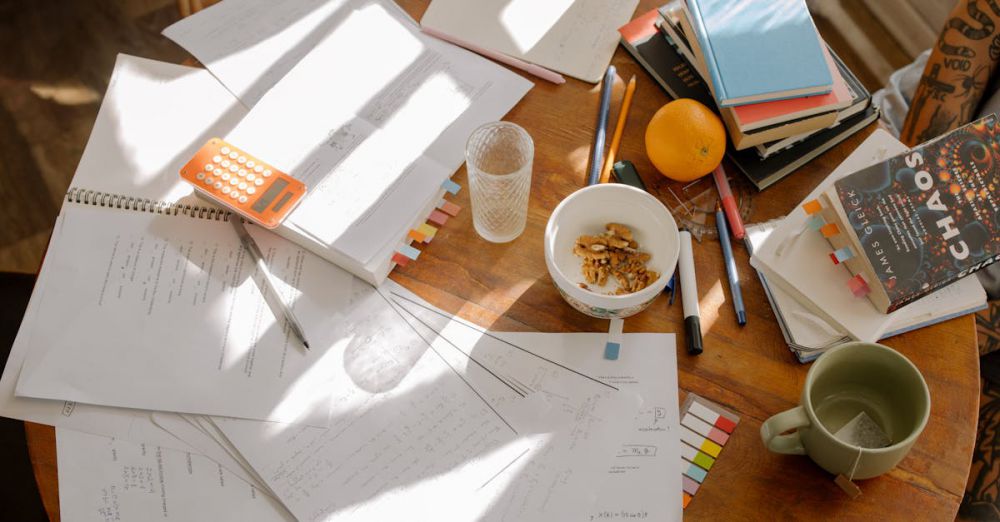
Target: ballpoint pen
{"points": [[597, 155], [271, 297], [731, 273]]}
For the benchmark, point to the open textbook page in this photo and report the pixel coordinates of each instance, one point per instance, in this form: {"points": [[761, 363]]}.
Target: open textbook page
{"points": [[102, 479], [161, 312], [635, 475], [408, 435]]}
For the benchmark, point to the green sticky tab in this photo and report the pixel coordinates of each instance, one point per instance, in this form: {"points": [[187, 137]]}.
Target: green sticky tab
{"points": [[704, 460]]}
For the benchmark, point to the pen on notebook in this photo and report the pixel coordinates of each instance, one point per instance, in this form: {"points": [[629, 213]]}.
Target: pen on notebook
{"points": [[689, 295], [271, 297], [728, 202], [731, 273], [527, 67], [597, 155]]}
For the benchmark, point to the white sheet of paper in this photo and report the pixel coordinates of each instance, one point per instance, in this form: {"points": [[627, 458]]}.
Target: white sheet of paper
{"points": [[160, 312], [575, 37], [644, 468], [576, 441], [102, 479], [408, 434], [373, 118]]}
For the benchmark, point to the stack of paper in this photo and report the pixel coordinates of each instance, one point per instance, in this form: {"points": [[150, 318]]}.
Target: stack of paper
{"points": [[809, 293], [177, 394]]}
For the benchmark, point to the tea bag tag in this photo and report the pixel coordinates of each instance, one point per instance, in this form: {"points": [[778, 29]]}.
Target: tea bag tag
{"points": [[849, 487]]}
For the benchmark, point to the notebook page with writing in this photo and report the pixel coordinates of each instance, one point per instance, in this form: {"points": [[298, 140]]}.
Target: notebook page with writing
{"points": [[103, 479], [161, 312], [408, 435], [644, 459], [574, 37]]}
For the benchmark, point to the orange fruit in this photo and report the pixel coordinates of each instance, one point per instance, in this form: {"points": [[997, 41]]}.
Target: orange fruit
{"points": [[685, 140]]}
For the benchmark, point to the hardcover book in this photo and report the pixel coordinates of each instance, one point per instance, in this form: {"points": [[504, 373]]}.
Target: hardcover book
{"points": [[920, 220]]}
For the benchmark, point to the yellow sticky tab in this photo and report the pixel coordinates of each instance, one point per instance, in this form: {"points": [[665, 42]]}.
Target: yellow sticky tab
{"points": [[812, 207], [711, 448], [427, 230]]}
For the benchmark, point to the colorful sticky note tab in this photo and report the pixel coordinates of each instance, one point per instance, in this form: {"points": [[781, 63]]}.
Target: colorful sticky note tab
{"points": [[703, 444], [427, 230], [858, 286], [438, 217], [812, 207], [416, 236], [449, 208], [451, 186], [611, 351], [843, 254], [815, 222], [695, 472], [689, 485], [687, 499], [705, 429], [691, 454], [711, 416], [409, 252], [829, 229], [400, 259]]}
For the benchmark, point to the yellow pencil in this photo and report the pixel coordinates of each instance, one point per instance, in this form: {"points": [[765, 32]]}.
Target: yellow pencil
{"points": [[617, 138]]}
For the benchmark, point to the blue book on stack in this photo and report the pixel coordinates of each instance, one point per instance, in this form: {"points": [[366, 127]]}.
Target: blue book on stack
{"points": [[760, 50]]}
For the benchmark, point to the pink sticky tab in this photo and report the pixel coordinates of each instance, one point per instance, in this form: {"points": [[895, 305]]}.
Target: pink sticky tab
{"points": [[437, 217], [400, 259], [718, 436], [450, 208], [858, 286]]}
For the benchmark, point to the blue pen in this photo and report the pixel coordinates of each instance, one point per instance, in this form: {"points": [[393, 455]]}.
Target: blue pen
{"points": [[734, 276], [597, 155]]}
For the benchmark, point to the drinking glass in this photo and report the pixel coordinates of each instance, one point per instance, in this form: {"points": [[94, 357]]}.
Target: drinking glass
{"points": [[498, 157]]}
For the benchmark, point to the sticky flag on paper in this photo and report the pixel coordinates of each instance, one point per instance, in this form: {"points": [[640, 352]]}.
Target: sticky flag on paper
{"points": [[815, 223], [829, 230], [437, 217], [451, 186], [409, 252], [427, 230], [400, 259], [841, 255], [416, 235], [812, 207], [858, 286], [449, 208]]}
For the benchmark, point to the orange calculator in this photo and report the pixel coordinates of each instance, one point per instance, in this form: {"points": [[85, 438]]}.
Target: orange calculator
{"points": [[243, 183]]}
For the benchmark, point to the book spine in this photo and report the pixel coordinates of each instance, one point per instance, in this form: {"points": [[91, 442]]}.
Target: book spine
{"points": [[708, 54], [125, 202]]}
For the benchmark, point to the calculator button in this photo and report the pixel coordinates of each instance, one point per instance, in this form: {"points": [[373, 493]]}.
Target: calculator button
{"points": [[225, 176], [225, 150], [234, 155], [233, 194], [226, 189], [250, 164], [200, 176], [243, 185], [243, 199], [251, 190], [217, 158], [234, 181], [226, 163], [267, 172], [258, 168], [218, 185], [241, 160], [209, 167], [258, 182], [242, 173]]}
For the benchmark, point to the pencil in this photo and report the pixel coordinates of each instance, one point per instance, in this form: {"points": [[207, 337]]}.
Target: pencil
{"points": [[616, 139], [597, 155]]}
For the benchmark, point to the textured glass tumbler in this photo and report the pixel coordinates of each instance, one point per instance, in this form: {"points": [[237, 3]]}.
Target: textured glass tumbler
{"points": [[498, 157]]}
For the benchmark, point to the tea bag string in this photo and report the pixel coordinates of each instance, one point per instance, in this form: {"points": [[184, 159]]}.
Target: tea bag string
{"points": [[857, 461]]}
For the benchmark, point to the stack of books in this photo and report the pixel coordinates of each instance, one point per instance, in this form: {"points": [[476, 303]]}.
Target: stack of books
{"points": [[814, 284], [784, 95]]}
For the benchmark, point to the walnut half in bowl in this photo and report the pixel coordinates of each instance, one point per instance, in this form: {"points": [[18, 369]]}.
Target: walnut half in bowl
{"points": [[614, 254]]}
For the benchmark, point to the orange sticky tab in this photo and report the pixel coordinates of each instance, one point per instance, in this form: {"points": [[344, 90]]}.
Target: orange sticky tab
{"points": [[400, 259], [450, 208], [687, 499], [829, 229], [416, 236], [812, 207]]}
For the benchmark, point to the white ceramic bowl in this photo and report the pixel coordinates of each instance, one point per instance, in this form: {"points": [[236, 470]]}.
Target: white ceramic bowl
{"points": [[586, 211]]}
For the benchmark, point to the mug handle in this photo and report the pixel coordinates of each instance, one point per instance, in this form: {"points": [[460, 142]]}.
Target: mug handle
{"points": [[790, 444]]}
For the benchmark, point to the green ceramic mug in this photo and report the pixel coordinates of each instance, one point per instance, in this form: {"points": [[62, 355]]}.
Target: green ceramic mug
{"points": [[844, 382]]}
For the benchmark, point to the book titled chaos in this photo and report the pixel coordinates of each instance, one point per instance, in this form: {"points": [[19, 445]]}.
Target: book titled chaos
{"points": [[925, 218]]}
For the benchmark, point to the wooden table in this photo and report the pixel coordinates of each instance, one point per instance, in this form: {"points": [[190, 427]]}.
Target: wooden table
{"points": [[750, 370]]}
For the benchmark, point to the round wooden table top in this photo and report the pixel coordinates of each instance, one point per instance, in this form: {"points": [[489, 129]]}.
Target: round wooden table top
{"points": [[749, 369]]}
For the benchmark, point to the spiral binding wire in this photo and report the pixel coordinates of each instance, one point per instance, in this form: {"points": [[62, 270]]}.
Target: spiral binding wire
{"points": [[106, 199]]}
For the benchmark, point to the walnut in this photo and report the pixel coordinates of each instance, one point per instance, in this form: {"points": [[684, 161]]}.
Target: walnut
{"points": [[614, 253]]}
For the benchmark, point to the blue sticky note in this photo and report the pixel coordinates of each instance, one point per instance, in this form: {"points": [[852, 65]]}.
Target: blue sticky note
{"points": [[611, 351], [451, 186], [696, 473], [409, 252], [816, 222], [844, 254]]}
